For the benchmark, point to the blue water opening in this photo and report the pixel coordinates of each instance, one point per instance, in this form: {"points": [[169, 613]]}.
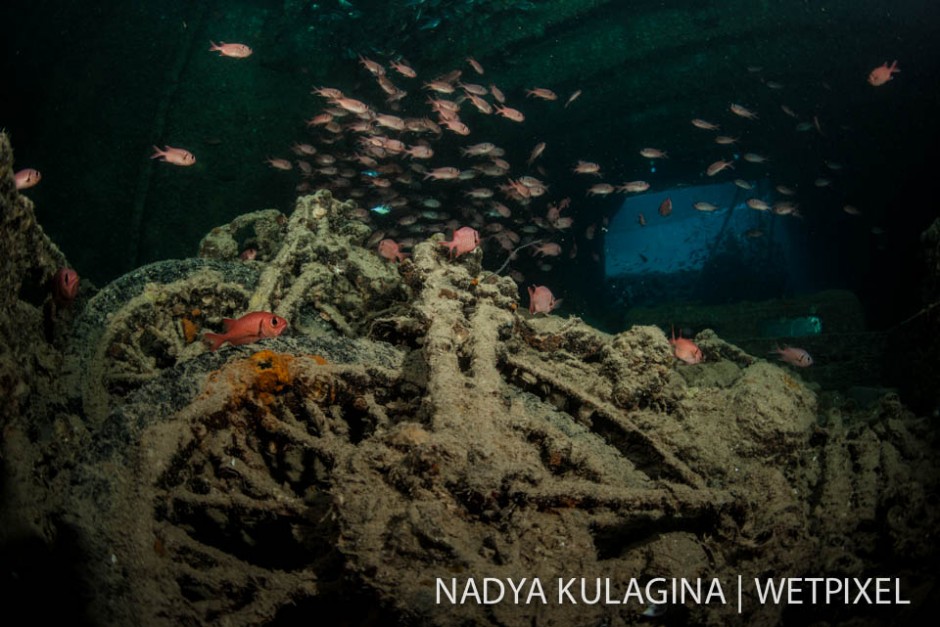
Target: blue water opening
{"points": [[733, 253]]}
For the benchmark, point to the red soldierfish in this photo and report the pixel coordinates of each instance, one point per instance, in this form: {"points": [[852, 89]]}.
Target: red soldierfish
{"points": [[665, 208], [881, 75], [27, 178], [794, 356], [247, 329], [685, 350], [64, 286], [176, 156], [391, 250], [718, 166], [465, 240], [512, 114], [541, 300], [236, 51]]}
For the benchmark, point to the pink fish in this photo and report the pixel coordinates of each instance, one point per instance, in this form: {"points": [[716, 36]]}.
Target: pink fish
{"points": [[541, 92], [665, 207], [247, 329], [64, 286], [541, 300], [685, 350], [881, 75], [465, 240], [511, 114], [236, 51], [794, 356], [391, 250], [403, 68], [278, 163], [27, 178], [548, 249], [718, 166], [176, 156]]}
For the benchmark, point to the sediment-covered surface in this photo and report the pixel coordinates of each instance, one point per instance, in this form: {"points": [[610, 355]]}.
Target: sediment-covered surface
{"points": [[416, 424]]}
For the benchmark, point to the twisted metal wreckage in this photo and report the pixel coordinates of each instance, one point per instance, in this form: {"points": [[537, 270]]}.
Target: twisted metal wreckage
{"points": [[415, 425]]}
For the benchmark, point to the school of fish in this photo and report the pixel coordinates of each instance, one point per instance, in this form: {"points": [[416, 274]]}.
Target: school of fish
{"points": [[401, 150]]}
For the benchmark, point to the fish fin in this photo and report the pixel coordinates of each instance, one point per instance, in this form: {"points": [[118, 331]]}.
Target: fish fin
{"points": [[215, 340], [227, 323]]}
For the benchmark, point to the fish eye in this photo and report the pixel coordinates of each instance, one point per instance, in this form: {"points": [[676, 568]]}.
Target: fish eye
{"points": [[274, 321]]}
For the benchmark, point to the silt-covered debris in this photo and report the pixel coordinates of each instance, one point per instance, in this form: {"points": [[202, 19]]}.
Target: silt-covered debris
{"points": [[415, 423]]}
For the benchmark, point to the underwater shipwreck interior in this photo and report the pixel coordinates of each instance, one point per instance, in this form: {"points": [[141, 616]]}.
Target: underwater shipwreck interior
{"points": [[470, 312]]}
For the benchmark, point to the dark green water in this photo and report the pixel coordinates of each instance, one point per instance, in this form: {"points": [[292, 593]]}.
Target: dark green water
{"points": [[90, 90]]}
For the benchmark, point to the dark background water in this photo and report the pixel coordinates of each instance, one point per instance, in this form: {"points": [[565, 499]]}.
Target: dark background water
{"points": [[90, 87]]}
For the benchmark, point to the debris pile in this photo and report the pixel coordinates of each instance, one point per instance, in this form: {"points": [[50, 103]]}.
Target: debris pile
{"points": [[414, 424]]}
